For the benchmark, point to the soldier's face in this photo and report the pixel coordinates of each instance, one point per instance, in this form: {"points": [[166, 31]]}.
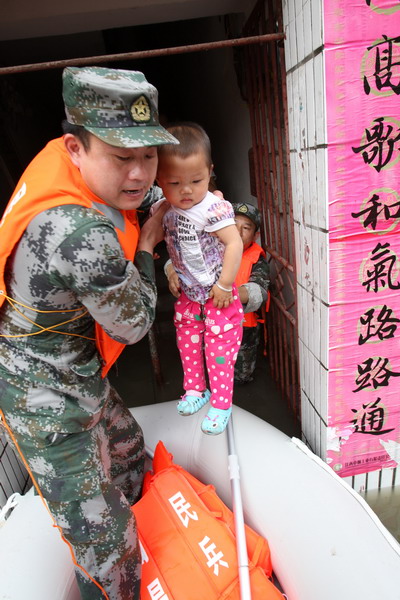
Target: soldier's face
{"points": [[119, 176], [247, 230]]}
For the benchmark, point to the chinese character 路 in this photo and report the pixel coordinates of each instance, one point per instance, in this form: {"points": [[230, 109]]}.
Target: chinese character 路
{"points": [[377, 322], [374, 372]]}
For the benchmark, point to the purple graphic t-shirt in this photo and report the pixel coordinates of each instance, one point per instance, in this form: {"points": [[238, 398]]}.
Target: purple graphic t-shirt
{"points": [[196, 254]]}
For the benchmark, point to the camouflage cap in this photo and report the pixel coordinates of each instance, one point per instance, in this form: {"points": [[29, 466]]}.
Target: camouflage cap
{"points": [[248, 210], [120, 107]]}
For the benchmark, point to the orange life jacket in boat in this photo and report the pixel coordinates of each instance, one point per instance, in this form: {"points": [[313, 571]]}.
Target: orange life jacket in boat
{"points": [[249, 258], [187, 540], [52, 180]]}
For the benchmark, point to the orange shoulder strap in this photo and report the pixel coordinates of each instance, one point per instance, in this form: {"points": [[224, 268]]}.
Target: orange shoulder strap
{"points": [[249, 258]]}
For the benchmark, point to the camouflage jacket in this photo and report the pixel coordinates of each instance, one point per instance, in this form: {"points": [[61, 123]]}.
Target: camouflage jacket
{"points": [[68, 271]]}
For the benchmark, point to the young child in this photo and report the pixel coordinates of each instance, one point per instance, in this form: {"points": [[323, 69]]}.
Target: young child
{"points": [[252, 281], [205, 249]]}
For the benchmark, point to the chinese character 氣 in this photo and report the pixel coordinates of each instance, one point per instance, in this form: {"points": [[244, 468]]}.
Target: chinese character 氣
{"points": [[382, 273]]}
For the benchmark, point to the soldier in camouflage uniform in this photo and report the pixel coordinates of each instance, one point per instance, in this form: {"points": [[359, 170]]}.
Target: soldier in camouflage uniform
{"points": [[68, 274], [253, 288]]}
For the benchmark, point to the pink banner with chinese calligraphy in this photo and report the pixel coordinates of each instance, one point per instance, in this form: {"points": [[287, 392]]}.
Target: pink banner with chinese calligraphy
{"points": [[362, 63]]}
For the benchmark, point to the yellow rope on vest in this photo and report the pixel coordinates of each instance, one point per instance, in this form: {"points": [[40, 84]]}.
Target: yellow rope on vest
{"points": [[52, 329]]}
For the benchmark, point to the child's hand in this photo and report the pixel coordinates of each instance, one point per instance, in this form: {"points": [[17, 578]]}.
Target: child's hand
{"points": [[173, 282], [221, 299]]}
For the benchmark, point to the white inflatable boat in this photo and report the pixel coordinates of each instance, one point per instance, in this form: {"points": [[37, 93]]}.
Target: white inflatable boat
{"points": [[326, 543]]}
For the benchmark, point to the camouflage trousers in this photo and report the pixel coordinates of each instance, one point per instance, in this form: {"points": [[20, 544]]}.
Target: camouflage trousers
{"points": [[90, 479], [247, 356]]}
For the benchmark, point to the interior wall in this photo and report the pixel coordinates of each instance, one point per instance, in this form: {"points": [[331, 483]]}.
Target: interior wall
{"points": [[213, 99], [308, 154], [197, 86]]}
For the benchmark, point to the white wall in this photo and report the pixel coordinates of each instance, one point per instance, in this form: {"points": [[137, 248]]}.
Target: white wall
{"points": [[308, 154], [213, 97], [230, 127]]}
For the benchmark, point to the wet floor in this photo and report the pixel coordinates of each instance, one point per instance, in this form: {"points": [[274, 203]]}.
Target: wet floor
{"points": [[386, 504]]}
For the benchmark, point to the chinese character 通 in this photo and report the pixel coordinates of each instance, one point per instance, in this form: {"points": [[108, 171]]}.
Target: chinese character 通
{"points": [[370, 419]]}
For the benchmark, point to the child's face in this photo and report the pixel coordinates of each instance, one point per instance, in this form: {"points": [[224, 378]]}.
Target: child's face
{"points": [[184, 181], [247, 230]]}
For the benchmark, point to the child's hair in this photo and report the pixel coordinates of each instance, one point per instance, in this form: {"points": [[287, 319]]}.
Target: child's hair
{"points": [[192, 140]]}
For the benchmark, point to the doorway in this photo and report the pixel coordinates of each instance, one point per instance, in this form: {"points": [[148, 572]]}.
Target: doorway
{"points": [[230, 93]]}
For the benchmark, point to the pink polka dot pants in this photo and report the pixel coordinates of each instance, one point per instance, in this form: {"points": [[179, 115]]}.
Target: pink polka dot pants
{"points": [[213, 333]]}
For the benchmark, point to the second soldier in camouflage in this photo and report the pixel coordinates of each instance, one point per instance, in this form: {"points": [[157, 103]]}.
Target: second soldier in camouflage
{"points": [[253, 288]]}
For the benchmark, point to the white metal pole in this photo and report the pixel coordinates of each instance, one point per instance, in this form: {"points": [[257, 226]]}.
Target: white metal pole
{"points": [[241, 547]]}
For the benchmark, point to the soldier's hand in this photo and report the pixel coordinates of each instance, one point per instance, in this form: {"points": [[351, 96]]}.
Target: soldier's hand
{"points": [[152, 232]]}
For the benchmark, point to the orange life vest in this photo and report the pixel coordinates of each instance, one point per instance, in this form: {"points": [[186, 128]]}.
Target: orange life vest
{"points": [[187, 540], [52, 180], [249, 258]]}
